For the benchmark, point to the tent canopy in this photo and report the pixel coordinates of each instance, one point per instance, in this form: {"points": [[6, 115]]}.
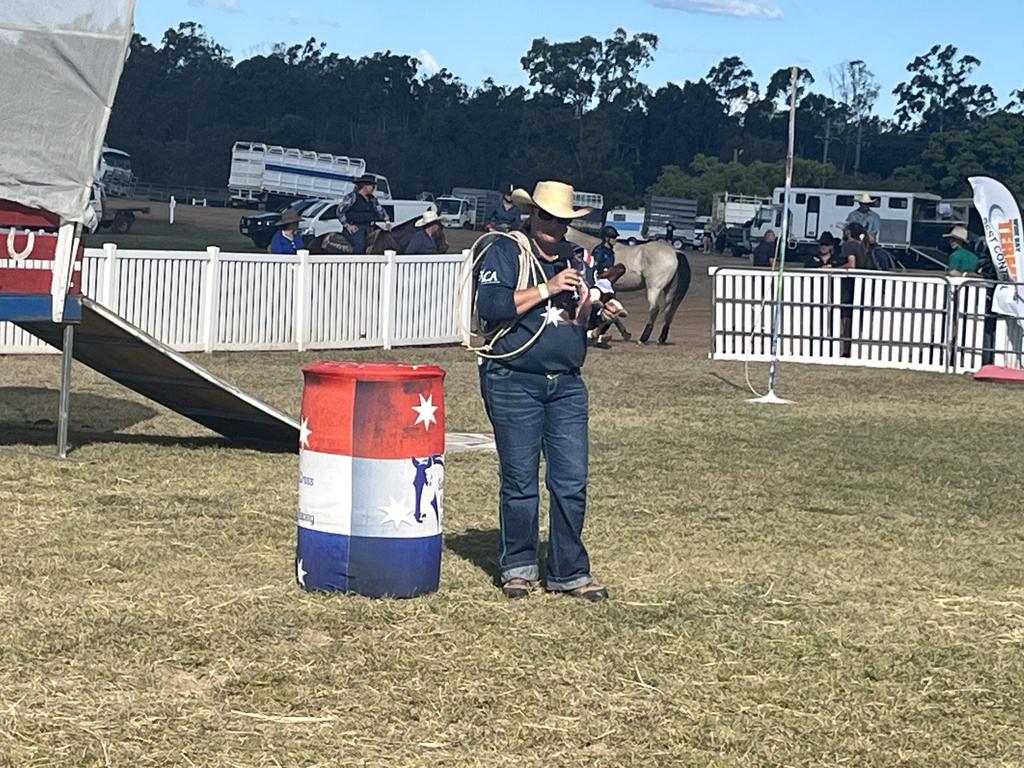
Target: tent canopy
{"points": [[60, 62]]}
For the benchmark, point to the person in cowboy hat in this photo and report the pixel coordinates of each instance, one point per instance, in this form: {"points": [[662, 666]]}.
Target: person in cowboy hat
{"points": [[287, 238], [962, 260], [504, 216], [427, 227], [866, 217], [535, 396], [359, 210]]}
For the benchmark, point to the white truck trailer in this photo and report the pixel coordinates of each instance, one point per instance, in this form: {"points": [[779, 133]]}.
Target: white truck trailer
{"points": [[731, 210], [814, 211], [275, 175]]}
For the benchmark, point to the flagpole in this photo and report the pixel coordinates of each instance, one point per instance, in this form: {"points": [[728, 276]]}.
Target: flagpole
{"points": [[773, 367]]}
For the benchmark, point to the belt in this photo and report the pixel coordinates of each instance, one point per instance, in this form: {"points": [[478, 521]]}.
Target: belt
{"points": [[548, 374], [556, 374]]}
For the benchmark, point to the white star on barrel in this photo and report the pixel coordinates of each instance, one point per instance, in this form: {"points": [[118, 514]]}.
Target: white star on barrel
{"points": [[304, 433], [396, 513], [553, 316], [300, 574], [425, 411]]}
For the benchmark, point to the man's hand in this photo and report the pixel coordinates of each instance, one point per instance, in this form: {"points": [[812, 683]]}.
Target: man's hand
{"points": [[566, 280], [351, 227]]}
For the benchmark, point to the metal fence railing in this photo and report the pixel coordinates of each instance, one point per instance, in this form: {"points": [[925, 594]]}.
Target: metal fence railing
{"points": [[867, 318]]}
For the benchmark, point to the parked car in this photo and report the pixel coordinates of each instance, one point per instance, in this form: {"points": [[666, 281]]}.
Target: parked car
{"points": [[698, 230], [260, 227]]}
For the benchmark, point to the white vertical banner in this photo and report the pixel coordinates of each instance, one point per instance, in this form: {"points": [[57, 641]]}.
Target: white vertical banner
{"points": [[1000, 215]]}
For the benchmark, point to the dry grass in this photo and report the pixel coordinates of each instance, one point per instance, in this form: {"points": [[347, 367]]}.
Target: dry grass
{"points": [[838, 582]]}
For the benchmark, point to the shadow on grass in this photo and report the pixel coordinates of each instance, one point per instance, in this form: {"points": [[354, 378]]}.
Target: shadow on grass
{"points": [[28, 416], [480, 547]]}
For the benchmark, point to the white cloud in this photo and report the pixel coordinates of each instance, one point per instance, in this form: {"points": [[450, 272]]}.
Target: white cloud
{"points": [[755, 9], [231, 6], [430, 65]]}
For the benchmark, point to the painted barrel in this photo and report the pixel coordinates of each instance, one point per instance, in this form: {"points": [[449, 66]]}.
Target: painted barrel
{"points": [[371, 478]]}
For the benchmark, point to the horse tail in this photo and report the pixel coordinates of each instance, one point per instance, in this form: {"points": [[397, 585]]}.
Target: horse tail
{"points": [[683, 278]]}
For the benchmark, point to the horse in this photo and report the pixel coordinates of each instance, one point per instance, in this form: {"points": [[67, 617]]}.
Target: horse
{"points": [[378, 240], [398, 237], [655, 265]]}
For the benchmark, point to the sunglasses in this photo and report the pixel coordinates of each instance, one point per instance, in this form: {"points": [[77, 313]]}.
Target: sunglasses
{"points": [[545, 216]]}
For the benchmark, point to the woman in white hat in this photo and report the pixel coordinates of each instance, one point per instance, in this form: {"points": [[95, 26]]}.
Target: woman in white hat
{"points": [[866, 217], [424, 241], [962, 261], [535, 396]]}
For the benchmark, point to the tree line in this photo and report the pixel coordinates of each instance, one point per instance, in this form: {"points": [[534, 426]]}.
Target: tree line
{"points": [[585, 117]]}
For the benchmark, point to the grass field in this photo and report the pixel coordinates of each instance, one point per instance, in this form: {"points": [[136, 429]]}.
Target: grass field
{"points": [[834, 583]]}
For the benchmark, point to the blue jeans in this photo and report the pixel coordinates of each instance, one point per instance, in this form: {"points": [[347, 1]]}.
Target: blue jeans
{"points": [[531, 413], [358, 238]]}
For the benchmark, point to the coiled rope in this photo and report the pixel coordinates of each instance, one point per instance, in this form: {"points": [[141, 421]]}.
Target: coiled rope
{"points": [[531, 273]]}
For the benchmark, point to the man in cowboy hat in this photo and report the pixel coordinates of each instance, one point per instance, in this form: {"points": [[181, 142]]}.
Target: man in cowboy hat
{"points": [[359, 210], [962, 261], [534, 394], [287, 238], [866, 217], [427, 227]]}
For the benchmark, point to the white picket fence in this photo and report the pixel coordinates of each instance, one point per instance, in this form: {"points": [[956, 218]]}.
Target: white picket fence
{"points": [[210, 301], [892, 320]]}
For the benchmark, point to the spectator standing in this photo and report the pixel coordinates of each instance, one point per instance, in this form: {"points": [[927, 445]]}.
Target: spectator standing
{"points": [[826, 252], [764, 253], [962, 261], [359, 210]]}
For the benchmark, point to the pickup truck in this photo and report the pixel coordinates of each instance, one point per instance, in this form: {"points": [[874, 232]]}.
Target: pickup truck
{"points": [[260, 227]]}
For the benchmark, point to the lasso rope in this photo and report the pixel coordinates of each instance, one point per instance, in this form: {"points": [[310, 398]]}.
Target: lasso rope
{"points": [[529, 267]]}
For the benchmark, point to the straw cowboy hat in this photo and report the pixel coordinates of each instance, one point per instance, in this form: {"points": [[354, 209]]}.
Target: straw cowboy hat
{"points": [[288, 217], [864, 197], [958, 233], [551, 196], [428, 218]]}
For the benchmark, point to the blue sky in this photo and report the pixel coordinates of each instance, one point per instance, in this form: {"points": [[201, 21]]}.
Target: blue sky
{"points": [[694, 34]]}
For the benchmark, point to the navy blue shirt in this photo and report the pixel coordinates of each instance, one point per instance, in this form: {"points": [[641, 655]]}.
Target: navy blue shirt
{"points": [[604, 258], [502, 215], [421, 243], [281, 244], [562, 344]]}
